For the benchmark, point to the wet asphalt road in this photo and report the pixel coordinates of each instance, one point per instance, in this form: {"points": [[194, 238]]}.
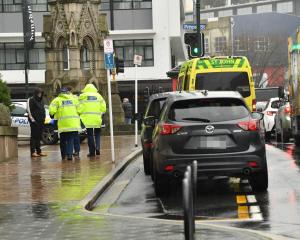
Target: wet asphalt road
{"points": [[226, 201]]}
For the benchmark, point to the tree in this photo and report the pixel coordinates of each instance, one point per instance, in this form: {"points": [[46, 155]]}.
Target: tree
{"points": [[5, 94]]}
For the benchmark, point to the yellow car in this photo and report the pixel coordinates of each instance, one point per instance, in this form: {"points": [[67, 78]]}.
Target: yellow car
{"points": [[219, 74]]}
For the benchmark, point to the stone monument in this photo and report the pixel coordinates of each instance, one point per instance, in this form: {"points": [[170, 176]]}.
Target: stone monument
{"points": [[74, 33], [8, 135]]}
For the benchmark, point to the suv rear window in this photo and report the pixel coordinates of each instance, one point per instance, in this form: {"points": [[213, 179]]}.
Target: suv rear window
{"points": [[208, 110], [224, 81]]}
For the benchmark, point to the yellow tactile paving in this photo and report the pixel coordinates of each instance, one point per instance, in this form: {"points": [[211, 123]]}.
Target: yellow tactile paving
{"points": [[243, 212], [241, 199]]}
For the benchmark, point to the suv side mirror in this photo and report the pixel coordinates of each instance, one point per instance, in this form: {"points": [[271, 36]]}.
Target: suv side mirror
{"points": [[257, 115], [149, 121]]}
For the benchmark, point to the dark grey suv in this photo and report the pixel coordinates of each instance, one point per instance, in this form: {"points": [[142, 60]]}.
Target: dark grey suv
{"points": [[153, 110], [214, 128]]}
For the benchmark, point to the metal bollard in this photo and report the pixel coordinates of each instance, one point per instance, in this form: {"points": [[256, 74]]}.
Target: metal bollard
{"points": [[194, 190], [188, 205]]}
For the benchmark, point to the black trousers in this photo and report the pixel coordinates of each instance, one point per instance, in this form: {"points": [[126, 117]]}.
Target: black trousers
{"points": [[36, 136]]}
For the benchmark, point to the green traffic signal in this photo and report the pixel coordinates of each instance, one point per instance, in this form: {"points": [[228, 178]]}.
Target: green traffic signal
{"points": [[195, 50]]}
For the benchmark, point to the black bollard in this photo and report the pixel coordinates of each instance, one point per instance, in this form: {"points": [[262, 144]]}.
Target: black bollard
{"points": [[188, 205], [194, 190]]}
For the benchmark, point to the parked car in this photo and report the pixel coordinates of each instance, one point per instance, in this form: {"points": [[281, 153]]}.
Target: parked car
{"points": [[19, 117], [269, 116], [215, 128], [153, 109], [283, 127]]}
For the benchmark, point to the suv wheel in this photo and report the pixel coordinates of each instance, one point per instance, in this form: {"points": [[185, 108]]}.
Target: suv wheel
{"points": [[49, 136], [259, 181]]}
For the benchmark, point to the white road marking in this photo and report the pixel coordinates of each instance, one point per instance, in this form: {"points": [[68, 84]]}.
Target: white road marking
{"points": [[254, 209], [251, 199]]}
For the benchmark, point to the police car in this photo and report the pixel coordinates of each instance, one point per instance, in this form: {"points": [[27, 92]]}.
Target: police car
{"points": [[19, 118]]}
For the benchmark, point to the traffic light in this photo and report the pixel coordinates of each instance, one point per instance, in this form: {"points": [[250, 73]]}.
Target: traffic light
{"points": [[119, 64], [191, 40]]}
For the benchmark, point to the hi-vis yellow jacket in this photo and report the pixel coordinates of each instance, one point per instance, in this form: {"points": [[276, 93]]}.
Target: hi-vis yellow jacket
{"points": [[91, 107], [64, 108]]}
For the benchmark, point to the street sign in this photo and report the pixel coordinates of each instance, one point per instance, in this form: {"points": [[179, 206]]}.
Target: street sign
{"points": [[138, 60], [192, 26], [108, 46], [109, 61]]}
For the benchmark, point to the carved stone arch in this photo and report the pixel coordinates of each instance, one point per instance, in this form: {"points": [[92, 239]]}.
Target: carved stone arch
{"points": [[56, 86], [59, 41], [87, 53]]}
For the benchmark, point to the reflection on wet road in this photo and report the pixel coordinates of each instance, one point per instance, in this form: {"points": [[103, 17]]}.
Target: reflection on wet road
{"points": [[228, 201]]}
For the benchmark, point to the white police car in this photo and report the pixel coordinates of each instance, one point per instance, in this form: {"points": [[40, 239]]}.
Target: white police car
{"points": [[19, 119]]}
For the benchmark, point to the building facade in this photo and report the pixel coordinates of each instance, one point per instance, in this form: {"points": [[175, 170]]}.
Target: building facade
{"points": [[228, 8], [151, 28]]}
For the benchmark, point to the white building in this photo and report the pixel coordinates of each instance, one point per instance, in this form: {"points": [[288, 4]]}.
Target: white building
{"points": [[151, 28]]}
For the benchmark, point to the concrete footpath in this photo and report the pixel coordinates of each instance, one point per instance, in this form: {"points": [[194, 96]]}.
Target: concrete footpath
{"points": [[42, 198]]}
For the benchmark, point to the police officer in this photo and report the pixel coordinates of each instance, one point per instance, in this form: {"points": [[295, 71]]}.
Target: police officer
{"points": [[64, 108], [91, 107]]}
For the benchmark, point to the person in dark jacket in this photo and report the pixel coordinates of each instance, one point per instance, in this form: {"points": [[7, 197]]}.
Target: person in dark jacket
{"points": [[36, 117], [127, 107]]}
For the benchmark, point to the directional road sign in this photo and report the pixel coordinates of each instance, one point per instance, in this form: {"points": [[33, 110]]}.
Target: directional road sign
{"points": [[109, 61], [192, 26]]}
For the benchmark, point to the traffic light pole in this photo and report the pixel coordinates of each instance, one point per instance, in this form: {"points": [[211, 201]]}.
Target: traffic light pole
{"points": [[198, 26]]}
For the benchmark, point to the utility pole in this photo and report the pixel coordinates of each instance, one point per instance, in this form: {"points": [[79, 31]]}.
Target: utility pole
{"points": [[198, 26]]}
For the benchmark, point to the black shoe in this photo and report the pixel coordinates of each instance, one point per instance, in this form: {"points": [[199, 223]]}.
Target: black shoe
{"points": [[63, 157], [76, 154], [91, 155], [97, 152], [70, 158]]}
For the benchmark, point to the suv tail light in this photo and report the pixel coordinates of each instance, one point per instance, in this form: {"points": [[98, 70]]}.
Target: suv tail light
{"points": [[251, 125], [287, 109], [167, 129], [253, 105]]}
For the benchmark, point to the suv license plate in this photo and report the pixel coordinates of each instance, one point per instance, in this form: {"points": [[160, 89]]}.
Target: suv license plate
{"points": [[213, 142]]}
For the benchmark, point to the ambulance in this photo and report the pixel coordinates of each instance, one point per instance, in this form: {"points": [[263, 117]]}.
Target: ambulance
{"points": [[223, 73]]}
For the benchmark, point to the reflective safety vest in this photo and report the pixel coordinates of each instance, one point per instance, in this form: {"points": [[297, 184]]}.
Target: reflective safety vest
{"points": [[91, 107], [64, 107]]}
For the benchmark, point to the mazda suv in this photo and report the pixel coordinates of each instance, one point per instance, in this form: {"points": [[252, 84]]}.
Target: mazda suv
{"points": [[214, 128]]}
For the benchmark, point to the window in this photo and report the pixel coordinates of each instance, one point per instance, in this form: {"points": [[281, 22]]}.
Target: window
{"points": [[126, 49], [264, 8], [224, 81], [244, 11], [18, 111], [126, 4], [206, 46], [16, 5], [207, 15], [225, 13], [202, 110], [66, 57], [85, 56], [285, 7], [241, 43], [156, 107], [261, 44], [12, 56], [220, 44]]}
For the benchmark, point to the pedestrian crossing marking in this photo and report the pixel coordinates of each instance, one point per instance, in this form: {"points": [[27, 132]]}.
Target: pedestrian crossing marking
{"points": [[251, 199], [240, 199]]}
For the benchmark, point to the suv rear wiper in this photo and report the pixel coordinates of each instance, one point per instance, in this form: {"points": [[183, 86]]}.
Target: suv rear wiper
{"points": [[197, 119]]}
